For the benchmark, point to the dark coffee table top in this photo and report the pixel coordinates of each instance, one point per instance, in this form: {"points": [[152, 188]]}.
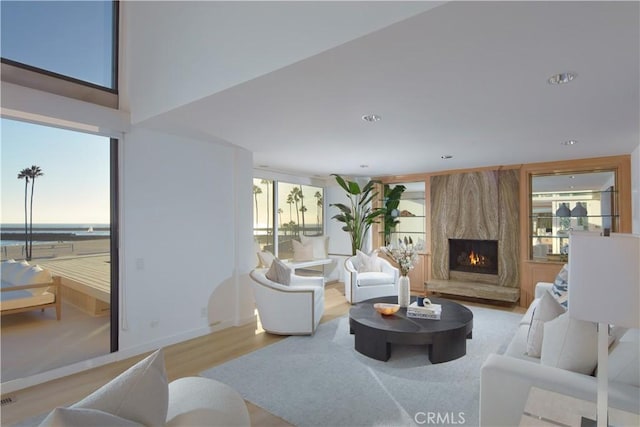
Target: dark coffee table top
{"points": [[454, 316]]}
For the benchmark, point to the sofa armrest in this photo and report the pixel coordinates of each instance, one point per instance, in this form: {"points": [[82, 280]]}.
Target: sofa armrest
{"points": [[388, 268], [505, 383], [541, 288]]}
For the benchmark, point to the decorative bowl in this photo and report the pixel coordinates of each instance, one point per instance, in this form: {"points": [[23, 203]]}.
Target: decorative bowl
{"points": [[386, 309]]}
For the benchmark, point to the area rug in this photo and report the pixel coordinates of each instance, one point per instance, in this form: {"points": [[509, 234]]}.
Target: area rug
{"points": [[321, 380]]}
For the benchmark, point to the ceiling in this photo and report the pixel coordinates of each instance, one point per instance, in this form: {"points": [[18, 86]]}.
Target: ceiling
{"points": [[464, 79]]}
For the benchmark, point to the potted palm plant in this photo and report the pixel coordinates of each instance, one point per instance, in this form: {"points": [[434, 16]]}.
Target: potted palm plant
{"points": [[359, 214]]}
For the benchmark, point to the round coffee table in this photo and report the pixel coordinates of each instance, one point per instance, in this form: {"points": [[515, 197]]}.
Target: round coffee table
{"points": [[446, 339]]}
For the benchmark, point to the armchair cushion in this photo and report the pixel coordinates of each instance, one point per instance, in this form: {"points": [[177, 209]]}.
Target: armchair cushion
{"points": [[279, 273], [374, 278], [33, 275]]}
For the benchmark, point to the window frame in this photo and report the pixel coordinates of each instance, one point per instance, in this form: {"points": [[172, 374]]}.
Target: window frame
{"points": [[49, 81]]}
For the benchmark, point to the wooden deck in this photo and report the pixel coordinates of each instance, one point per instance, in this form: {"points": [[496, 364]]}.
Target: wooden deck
{"points": [[86, 281]]}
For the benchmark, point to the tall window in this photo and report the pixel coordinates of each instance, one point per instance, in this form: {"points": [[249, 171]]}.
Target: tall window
{"points": [[263, 214], [298, 211], [75, 39], [62, 219]]}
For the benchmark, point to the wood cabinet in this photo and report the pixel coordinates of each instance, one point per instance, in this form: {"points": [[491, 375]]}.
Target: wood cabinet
{"points": [[531, 270], [615, 201]]}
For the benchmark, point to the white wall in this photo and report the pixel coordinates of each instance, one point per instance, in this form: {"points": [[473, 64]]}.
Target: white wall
{"points": [[186, 233], [635, 189], [185, 228]]}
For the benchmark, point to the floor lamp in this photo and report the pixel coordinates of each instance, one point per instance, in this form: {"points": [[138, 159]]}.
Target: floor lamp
{"points": [[604, 287]]}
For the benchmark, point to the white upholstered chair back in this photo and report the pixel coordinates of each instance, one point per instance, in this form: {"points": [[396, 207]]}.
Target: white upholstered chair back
{"points": [[363, 286], [288, 310]]}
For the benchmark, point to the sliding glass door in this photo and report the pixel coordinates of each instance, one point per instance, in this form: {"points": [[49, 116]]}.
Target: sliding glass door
{"points": [[59, 211]]}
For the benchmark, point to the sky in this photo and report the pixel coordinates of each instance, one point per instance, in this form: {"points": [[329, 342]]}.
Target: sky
{"points": [[75, 188], [72, 38]]}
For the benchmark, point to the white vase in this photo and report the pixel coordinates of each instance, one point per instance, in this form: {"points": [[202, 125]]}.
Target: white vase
{"points": [[403, 291]]}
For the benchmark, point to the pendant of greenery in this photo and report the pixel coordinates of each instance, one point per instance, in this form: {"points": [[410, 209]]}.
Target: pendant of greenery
{"points": [[359, 216], [391, 201]]}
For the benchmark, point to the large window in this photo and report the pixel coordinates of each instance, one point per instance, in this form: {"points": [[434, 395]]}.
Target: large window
{"points": [[63, 218], [298, 211], [76, 39]]}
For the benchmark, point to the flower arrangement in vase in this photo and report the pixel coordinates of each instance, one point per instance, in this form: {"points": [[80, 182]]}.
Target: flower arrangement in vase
{"points": [[405, 254]]}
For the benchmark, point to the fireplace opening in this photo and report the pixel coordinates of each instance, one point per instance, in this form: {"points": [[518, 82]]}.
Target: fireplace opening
{"points": [[473, 256]]}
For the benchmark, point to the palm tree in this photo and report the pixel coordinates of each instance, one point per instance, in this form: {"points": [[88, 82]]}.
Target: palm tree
{"points": [[24, 174], [295, 196], [280, 216], [266, 182], [303, 208], [318, 197], [256, 190], [34, 172], [290, 202]]}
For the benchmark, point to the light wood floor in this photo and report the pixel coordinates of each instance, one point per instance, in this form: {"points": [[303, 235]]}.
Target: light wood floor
{"points": [[183, 359]]}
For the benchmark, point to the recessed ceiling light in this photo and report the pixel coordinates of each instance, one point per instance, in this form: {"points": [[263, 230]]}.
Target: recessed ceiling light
{"points": [[446, 156], [364, 166], [569, 142], [561, 78], [371, 118]]}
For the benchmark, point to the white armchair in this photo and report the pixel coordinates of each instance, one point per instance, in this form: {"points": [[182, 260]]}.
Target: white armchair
{"points": [[371, 284], [289, 310]]}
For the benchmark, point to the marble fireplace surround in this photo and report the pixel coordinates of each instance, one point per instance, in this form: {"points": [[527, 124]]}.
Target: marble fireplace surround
{"points": [[482, 205]]}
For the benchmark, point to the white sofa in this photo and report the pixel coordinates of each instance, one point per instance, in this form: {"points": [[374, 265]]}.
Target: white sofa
{"points": [[506, 379], [142, 396], [28, 287], [360, 286], [294, 309]]}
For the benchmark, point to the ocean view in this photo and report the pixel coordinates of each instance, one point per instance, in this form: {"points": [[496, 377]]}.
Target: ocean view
{"points": [[13, 234]]}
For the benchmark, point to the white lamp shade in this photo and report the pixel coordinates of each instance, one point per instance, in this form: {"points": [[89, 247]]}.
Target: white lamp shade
{"points": [[604, 278]]}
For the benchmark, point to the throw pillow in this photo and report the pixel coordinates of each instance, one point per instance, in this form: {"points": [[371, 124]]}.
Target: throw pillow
{"points": [[624, 359], [570, 344], [302, 252], [83, 417], [560, 288], [547, 309], [139, 394], [320, 245], [266, 258], [368, 263], [279, 273]]}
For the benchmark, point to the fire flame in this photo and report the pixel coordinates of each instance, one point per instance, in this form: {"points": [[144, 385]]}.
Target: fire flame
{"points": [[474, 259]]}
